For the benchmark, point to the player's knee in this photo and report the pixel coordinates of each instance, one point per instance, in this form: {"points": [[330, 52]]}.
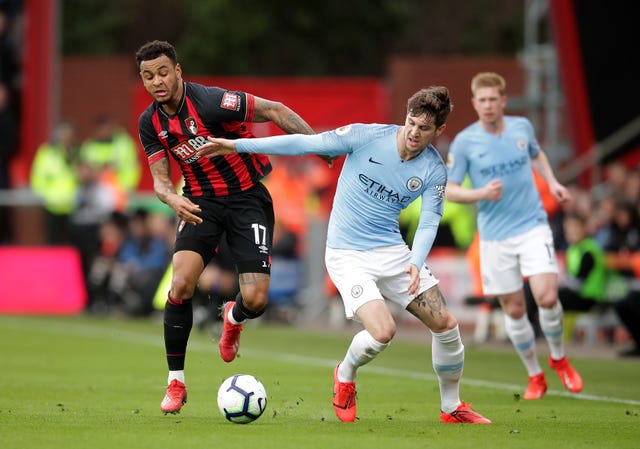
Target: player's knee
{"points": [[256, 303], [384, 332], [255, 299], [547, 300], [249, 310], [182, 287], [445, 323], [514, 309]]}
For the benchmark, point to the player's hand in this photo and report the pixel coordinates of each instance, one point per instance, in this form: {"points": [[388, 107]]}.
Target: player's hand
{"points": [[414, 279], [216, 147], [185, 209], [560, 192], [493, 190]]}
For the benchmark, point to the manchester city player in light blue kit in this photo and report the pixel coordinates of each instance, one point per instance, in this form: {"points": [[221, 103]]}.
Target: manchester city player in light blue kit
{"points": [[498, 153], [386, 168]]}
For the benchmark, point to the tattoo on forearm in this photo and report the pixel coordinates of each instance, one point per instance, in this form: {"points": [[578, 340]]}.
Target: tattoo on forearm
{"points": [[431, 300], [281, 115], [162, 179], [293, 123]]}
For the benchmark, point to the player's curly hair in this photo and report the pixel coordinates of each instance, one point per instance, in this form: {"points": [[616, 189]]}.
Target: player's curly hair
{"points": [[155, 49], [433, 101]]}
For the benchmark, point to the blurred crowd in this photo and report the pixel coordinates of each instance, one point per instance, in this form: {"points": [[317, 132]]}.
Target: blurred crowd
{"points": [[599, 232]]}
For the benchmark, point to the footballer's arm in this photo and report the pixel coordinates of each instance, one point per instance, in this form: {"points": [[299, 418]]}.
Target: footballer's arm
{"points": [[166, 192], [286, 119]]}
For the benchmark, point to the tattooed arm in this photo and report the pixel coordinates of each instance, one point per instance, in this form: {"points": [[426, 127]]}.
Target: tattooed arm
{"points": [[166, 192], [281, 115], [286, 119]]}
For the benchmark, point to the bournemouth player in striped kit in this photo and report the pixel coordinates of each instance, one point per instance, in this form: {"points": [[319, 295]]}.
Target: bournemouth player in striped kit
{"points": [[220, 195]]}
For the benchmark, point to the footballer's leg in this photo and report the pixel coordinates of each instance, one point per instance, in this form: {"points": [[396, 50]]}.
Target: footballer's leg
{"points": [[254, 287], [178, 321], [250, 244], [447, 355], [545, 291], [522, 336], [365, 346]]}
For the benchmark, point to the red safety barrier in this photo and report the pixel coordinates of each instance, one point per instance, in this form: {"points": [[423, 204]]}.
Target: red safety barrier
{"points": [[41, 280]]}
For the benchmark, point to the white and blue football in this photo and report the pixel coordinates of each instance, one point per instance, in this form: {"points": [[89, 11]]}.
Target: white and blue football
{"points": [[242, 398]]}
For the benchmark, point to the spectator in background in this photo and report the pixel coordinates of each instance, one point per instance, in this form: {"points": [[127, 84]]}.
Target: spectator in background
{"points": [[615, 176], [586, 268], [113, 233], [112, 149], [95, 202], [601, 218], [8, 148], [628, 309], [624, 230], [286, 272], [291, 191], [140, 264], [632, 188], [54, 178]]}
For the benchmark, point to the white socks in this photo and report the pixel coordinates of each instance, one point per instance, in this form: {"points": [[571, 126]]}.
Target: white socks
{"points": [[447, 356], [179, 375], [231, 318], [522, 336], [363, 349], [551, 325]]}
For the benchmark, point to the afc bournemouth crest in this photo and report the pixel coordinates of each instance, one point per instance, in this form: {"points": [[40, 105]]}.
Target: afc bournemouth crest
{"points": [[191, 124]]}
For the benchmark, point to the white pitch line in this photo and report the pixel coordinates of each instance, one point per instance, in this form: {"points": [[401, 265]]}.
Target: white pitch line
{"points": [[296, 359]]}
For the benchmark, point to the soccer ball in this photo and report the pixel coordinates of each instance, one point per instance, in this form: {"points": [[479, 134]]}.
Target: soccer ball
{"points": [[242, 398]]}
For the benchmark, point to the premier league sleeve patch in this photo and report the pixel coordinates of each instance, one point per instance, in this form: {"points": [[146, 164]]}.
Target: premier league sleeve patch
{"points": [[231, 101]]}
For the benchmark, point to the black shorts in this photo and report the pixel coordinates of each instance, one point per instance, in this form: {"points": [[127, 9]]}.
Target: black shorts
{"points": [[246, 218]]}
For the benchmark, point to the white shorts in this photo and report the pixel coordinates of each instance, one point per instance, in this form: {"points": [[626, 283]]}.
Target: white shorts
{"points": [[503, 263], [363, 276]]}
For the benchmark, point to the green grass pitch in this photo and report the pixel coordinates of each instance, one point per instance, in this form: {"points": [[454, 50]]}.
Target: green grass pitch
{"points": [[85, 382]]}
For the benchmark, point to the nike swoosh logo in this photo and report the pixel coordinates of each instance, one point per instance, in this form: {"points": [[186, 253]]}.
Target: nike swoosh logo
{"points": [[374, 162]]}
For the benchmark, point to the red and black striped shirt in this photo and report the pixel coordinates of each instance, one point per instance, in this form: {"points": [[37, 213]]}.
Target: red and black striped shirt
{"points": [[204, 111]]}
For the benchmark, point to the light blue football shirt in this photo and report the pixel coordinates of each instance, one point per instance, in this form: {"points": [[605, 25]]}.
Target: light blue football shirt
{"points": [[507, 157], [375, 184]]}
